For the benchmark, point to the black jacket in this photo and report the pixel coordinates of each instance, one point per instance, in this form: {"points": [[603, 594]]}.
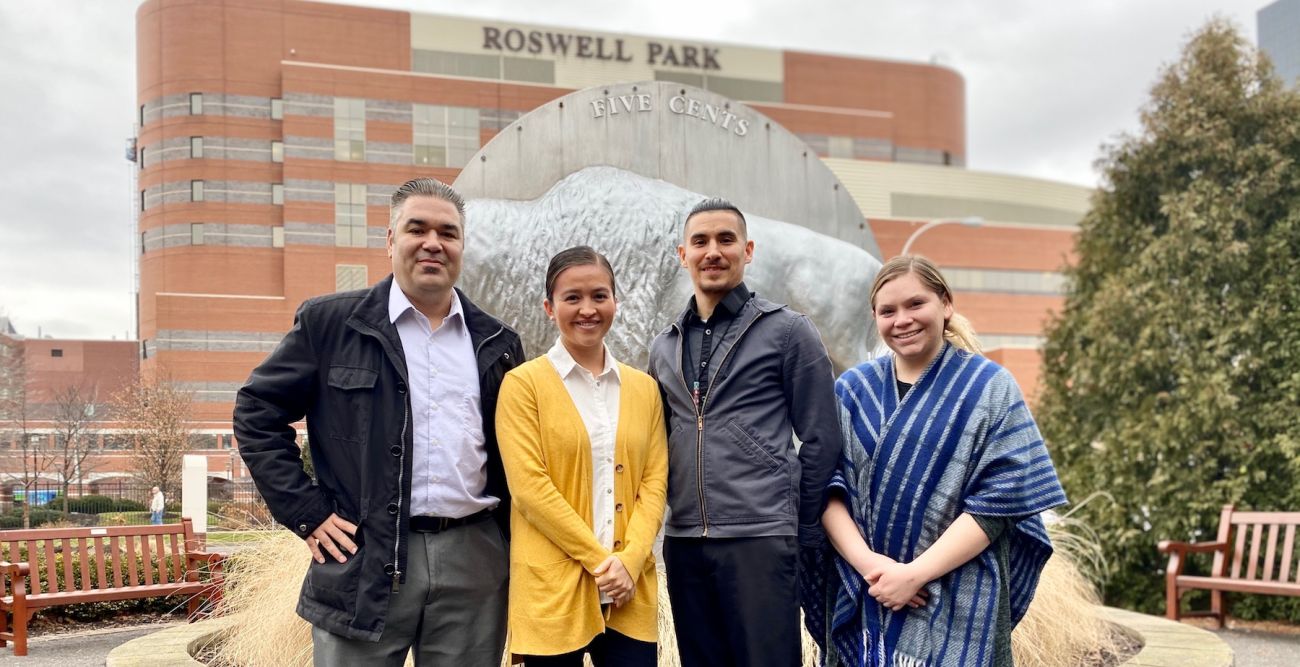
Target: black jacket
{"points": [[341, 366]]}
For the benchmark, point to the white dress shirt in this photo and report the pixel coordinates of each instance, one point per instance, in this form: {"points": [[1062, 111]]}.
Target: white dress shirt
{"points": [[596, 397], [449, 457]]}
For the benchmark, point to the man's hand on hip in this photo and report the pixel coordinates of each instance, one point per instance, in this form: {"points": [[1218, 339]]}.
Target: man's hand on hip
{"points": [[333, 535]]}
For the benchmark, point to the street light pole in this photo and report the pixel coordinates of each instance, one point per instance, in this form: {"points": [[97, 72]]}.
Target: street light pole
{"points": [[971, 221]]}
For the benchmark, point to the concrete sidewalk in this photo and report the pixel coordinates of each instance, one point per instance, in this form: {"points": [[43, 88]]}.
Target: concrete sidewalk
{"points": [[89, 648], [77, 649]]}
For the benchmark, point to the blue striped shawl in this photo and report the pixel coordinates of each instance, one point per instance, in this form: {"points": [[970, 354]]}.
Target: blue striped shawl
{"points": [[961, 440]]}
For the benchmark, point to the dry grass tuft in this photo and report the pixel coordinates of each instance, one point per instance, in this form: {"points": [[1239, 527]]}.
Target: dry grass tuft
{"points": [[262, 585], [1062, 628]]}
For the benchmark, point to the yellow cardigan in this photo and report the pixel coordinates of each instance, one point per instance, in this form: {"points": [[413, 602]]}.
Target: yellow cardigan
{"points": [[554, 603]]}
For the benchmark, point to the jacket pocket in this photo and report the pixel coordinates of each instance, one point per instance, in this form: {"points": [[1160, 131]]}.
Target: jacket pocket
{"points": [[349, 377], [747, 443], [335, 584]]}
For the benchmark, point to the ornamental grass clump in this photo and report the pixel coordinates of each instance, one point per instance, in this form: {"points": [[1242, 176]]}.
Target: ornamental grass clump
{"points": [[1063, 627]]}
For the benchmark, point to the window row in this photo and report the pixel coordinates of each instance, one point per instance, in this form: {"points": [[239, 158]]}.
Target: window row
{"points": [[442, 136]]}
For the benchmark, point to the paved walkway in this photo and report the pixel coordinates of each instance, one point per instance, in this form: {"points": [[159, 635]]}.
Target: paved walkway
{"points": [[88, 649], [77, 649], [1262, 649]]}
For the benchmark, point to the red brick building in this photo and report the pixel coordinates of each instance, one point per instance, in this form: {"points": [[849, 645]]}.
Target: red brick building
{"points": [[271, 133]]}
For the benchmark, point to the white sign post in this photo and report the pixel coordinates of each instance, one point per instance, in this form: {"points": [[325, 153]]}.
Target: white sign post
{"points": [[194, 491]]}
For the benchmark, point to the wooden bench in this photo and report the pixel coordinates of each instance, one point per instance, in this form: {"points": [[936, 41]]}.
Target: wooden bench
{"points": [[1253, 553], [97, 565]]}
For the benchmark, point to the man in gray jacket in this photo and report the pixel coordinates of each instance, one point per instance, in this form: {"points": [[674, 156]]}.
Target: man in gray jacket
{"points": [[740, 375]]}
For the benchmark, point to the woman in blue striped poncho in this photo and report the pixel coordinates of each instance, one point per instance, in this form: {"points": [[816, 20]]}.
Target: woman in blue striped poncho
{"points": [[934, 511]]}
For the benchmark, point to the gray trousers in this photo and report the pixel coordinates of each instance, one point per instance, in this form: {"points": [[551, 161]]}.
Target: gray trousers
{"points": [[450, 611]]}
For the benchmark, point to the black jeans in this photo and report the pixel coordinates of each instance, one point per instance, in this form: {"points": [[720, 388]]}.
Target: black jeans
{"points": [[609, 649], [735, 600]]}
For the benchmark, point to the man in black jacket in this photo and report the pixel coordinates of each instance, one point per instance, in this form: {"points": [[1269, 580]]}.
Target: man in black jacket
{"points": [[407, 516], [740, 375]]}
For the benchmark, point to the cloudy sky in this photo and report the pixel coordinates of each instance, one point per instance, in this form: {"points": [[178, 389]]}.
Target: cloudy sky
{"points": [[1047, 84]]}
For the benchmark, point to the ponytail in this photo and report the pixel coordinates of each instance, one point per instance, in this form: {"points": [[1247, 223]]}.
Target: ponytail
{"points": [[958, 331]]}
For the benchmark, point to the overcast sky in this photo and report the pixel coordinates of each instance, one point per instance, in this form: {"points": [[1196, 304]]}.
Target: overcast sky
{"points": [[1047, 83]]}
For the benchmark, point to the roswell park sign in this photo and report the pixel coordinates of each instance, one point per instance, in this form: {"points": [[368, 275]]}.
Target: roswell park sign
{"points": [[588, 47]]}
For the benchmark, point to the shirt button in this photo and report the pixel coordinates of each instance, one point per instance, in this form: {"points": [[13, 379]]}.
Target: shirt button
{"points": [[704, 364], [608, 491]]}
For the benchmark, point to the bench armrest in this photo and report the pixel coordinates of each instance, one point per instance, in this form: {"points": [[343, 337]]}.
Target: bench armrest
{"points": [[18, 574], [1171, 547], [215, 562]]}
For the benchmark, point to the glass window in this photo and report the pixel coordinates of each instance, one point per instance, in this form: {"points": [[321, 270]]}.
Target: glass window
{"points": [[841, 147], [277, 236], [142, 200], [349, 277], [141, 243], [444, 136], [746, 89], [277, 151], [196, 233], [56, 352], [196, 190], [277, 108], [142, 158], [196, 104], [349, 215], [456, 64], [349, 129], [141, 115], [196, 147], [532, 70], [277, 194]]}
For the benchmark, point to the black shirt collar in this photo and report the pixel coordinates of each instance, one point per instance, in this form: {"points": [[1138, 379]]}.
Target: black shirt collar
{"points": [[726, 309]]}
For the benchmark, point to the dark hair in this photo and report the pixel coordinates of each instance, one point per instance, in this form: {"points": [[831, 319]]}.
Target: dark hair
{"points": [[716, 204], [424, 187], [577, 256]]}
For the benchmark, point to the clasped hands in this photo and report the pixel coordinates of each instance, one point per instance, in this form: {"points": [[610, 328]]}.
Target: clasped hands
{"points": [[894, 584], [612, 579]]}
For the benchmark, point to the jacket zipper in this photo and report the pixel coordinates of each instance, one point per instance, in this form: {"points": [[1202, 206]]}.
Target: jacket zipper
{"points": [[401, 473], [699, 414]]}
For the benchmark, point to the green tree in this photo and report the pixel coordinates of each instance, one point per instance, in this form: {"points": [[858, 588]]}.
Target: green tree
{"points": [[1172, 375]]}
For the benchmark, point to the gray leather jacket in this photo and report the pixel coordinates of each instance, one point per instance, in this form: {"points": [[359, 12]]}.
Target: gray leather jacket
{"points": [[733, 469]]}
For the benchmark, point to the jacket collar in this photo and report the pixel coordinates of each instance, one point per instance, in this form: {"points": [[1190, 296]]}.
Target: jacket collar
{"points": [[372, 313], [751, 305]]}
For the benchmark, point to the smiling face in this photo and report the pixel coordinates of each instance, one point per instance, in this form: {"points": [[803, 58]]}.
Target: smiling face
{"points": [[582, 305], [716, 251], [426, 244], [910, 318]]}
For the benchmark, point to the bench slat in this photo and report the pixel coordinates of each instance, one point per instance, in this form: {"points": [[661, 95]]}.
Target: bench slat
{"points": [[1287, 543], [146, 563], [1265, 517], [101, 555], [162, 559], [1270, 552], [1238, 585], [1256, 532], [1238, 553], [73, 597], [130, 560], [178, 559], [115, 551], [51, 568], [86, 583], [69, 580]]}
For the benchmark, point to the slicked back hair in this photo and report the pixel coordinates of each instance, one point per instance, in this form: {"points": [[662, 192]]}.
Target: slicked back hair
{"points": [[577, 256], [424, 187], [716, 204]]}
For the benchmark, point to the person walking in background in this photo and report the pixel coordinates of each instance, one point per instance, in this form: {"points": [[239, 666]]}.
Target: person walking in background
{"points": [[156, 505], [740, 376], [934, 510], [406, 516], [582, 437]]}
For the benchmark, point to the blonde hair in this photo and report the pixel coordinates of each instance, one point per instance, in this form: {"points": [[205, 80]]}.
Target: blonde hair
{"points": [[956, 329]]}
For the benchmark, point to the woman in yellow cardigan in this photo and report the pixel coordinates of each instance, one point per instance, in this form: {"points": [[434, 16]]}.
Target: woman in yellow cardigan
{"points": [[582, 438]]}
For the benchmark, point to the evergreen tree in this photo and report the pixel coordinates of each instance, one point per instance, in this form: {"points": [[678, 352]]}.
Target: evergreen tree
{"points": [[1172, 376]]}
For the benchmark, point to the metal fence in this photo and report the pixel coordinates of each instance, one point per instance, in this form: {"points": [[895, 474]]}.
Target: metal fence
{"points": [[231, 505]]}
